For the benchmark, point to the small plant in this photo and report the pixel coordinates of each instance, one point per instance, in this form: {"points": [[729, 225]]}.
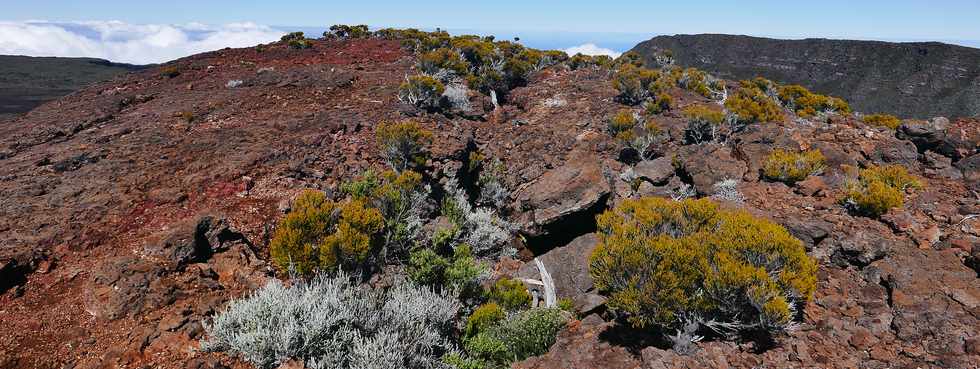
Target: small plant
{"points": [[319, 234], [882, 120], [621, 125], [422, 91], [791, 167], [660, 104], [402, 144], [484, 317], [702, 123], [879, 189], [510, 294], [481, 228], [461, 272], [187, 116], [701, 83], [170, 72], [673, 264]]}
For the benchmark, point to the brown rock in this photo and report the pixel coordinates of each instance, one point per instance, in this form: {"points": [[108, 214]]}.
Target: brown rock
{"points": [[574, 188], [811, 186], [657, 171], [568, 266]]}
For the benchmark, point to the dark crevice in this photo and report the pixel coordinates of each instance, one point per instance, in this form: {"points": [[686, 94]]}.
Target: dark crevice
{"points": [[564, 230], [13, 274], [888, 291]]}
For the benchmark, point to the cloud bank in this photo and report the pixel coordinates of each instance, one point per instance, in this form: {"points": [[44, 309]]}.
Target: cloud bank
{"points": [[592, 49], [125, 42]]}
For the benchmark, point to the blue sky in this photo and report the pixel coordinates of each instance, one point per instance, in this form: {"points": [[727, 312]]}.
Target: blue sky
{"points": [[611, 24]]}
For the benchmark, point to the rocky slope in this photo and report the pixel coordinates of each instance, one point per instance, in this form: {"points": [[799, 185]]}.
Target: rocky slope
{"points": [[26, 82], [917, 80], [136, 208]]}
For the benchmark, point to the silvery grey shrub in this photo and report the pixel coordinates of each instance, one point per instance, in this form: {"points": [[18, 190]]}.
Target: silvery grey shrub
{"points": [[333, 323]]}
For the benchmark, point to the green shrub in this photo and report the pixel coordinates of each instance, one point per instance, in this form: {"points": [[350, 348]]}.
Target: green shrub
{"points": [[296, 40], [426, 267], [400, 197], [566, 304], [879, 189], [421, 91], [882, 120], [402, 144], [344, 32], [751, 104], [319, 234], [660, 104], [664, 263], [791, 167], [461, 272], [484, 317], [702, 123], [519, 337], [459, 361], [510, 294]]}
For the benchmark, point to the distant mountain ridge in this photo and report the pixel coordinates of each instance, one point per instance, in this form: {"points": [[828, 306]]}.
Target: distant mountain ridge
{"points": [[913, 80], [26, 82]]}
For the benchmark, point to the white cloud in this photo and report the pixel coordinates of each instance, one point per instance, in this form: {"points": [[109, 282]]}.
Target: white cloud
{"points": [[127, 43], [592, 49]]}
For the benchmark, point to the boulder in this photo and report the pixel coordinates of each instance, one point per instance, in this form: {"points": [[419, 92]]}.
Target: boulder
{"points": [[568, 266], [657, 171], [577, 187], [892, 151], [584, 344], [193, 242], [971, 171], [707, 165], [127, 286]]}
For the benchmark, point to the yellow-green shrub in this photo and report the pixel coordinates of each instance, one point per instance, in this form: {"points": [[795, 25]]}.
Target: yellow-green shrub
{"points": [[578, 61], [879, 189], [402, 144], [660, 104], [510, 294], [702, 123], [792, 167], [882, 120], [443, 58], [484, 317], [422, 91], [807, 104], [662, 261], [635, 84], [621, 125], [320, 234], [699, 82], [751, 104]]}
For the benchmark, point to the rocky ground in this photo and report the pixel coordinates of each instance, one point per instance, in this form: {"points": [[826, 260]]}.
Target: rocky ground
{"points": [[136, 208]]}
